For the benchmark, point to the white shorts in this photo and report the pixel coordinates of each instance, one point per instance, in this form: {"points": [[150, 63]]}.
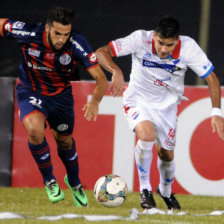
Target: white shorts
{"points": [[164, 121]]}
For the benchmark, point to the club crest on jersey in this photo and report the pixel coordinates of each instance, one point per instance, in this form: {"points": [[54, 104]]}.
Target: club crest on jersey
{"points": [[65, 59], [62, 127], [92, 58], [147, 56], [135, 115]]}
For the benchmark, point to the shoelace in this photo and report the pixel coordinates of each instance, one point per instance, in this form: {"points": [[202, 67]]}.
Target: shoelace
{"points": [[51, 186]]}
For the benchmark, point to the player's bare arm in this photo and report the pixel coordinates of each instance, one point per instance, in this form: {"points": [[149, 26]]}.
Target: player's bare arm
{"points": [[104, 56], [92, 107], [215, 94]]}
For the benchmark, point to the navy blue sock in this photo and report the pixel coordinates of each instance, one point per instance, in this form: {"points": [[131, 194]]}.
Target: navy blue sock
{"points": [[70, 161], [41, 154]]}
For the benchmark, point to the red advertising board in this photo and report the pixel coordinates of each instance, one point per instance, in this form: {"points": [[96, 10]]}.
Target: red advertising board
{"points": [[104, 146]]}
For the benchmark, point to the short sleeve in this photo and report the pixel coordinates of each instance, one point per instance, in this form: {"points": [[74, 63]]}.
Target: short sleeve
{"points": [[83, 51], [126, 45], [18, 30], [197, 60]]}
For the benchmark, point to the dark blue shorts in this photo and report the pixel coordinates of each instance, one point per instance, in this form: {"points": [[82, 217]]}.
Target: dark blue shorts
{"points": [[58, 110]]}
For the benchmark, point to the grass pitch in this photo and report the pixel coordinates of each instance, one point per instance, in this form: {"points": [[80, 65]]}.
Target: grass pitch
{"points": [[34, 203]]}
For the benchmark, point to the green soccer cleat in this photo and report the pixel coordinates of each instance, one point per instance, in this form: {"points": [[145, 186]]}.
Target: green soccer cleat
{"points": [[79, 196], [54, 192]]}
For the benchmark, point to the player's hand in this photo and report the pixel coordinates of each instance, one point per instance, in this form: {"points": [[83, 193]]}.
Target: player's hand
{"points": [[218, 126], [91, 110], [116, 86]]}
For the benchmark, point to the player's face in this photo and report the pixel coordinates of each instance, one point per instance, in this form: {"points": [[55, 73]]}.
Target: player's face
{"points": [[164, 46], [58, 35]]}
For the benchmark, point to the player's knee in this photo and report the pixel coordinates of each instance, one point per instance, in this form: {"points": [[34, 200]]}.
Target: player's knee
{"points": [[166, 155], [35, 137], [64, 143], [145, 131], [146, 136]]}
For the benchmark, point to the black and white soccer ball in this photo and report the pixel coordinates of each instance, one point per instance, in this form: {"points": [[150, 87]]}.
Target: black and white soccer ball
{"points": [[110, 190]]}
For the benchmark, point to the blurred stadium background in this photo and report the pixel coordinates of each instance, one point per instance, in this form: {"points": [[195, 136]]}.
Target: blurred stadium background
{"points": [[103, 20]]}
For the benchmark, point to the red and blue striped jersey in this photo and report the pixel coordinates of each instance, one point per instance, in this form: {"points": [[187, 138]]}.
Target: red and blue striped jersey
{"points": [[42, 69]]}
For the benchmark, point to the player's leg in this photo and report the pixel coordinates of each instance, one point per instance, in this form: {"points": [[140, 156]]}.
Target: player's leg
{"points": [[62, 124], [68, 154], [40, 151], [33, 118], [166, 166], [140, 122], [166, 138], [34, 125], [143, 157]]}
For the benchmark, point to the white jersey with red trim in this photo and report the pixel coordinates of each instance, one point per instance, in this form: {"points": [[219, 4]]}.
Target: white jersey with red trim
{"points": [[156, 81]]}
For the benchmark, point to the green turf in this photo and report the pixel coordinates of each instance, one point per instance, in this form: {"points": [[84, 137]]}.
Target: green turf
{"points": [[34, 203]]}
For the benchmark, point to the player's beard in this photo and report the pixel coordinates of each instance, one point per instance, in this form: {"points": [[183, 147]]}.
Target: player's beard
{"points": [[52, 45]]}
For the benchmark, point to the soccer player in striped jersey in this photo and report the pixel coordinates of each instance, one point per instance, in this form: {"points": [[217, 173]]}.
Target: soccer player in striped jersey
{"points": [[50, 53], [160, 59]]}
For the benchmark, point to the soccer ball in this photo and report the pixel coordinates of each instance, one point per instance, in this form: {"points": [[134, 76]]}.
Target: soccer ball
{"points": [[110, 190]]}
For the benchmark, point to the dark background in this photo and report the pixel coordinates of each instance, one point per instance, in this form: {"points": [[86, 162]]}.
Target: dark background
{"points": [[104, 20]]}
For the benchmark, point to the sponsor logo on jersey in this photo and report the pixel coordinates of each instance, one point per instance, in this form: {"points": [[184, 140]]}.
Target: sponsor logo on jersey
{"points": [[160, 82], [23, 33], [33, 52], [37, 67], [8, 27], [92, 58], [78, 46], [18, 25], [62, 127], [65, 59], [168, 67]]}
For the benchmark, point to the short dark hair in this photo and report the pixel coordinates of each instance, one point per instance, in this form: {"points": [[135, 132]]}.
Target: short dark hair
{"points": [[168, 27], [60, 15]]}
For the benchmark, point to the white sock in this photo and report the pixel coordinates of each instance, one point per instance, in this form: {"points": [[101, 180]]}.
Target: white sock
{"points": [[143, 159], [167, 171]]}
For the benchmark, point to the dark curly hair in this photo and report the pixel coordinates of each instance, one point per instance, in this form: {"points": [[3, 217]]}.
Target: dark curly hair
{"points": [[61, 15]]}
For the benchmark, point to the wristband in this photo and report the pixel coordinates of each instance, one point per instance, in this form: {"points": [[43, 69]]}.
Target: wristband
{"points": [[216, 112]]}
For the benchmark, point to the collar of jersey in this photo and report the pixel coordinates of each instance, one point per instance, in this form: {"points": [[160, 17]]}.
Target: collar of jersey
{"points": [[176, 52]]}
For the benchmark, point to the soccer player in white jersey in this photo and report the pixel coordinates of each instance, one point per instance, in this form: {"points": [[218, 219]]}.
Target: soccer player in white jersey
{"points": [[160, 59]]}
